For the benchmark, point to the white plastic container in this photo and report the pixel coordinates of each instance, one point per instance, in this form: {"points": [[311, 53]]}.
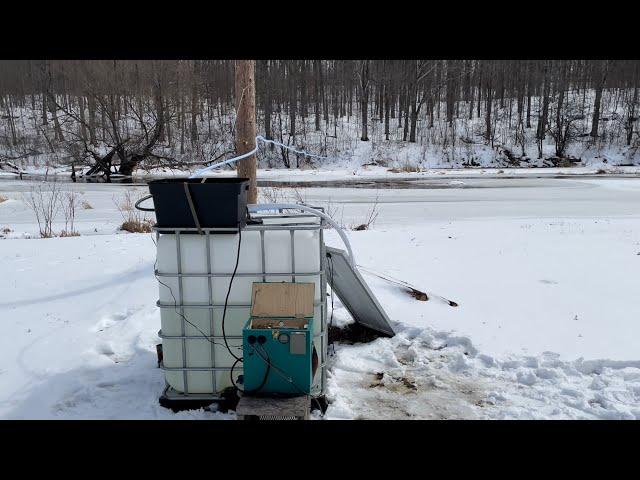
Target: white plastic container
{"points": [[269, 255]]}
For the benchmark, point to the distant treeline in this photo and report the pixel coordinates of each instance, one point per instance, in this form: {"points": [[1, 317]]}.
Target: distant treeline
{"points": [[116, 114]]}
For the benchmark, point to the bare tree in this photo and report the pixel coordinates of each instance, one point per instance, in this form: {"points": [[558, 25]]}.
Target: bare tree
{"points": [[119, 117]]}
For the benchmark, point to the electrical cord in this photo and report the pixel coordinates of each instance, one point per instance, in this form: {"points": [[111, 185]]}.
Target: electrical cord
{"points": [[270, 365], [175, 306], [224, 312], [277, 370], [330, 263], [283, 375], [226, 300], [231, 375], [262, 384]]}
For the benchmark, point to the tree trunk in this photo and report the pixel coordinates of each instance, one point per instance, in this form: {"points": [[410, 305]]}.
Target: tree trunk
{"points": [[266, 102], [45, 120], [414, 123], [364, 98], [56, 122], [316, 93], [595, 121], [293, 104], [542, 121], [450, 92], [194, 107], [182, 123], [12, 123], [632, 107], [91, 106], [487, 134], [103, 123], [245, 90], [401, 97], [528, 105], [471, 98], [632, 117], [83, 123], [386, 111], [325, 104], [560, 138]]}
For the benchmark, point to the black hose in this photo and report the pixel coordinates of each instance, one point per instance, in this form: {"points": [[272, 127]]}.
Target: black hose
{"points": [[137, 205]]}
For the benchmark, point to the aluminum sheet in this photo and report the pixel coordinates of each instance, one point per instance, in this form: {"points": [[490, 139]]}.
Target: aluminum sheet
{"points": [[348, 284]]}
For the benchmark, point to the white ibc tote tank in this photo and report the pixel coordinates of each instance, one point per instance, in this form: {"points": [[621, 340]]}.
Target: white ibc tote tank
{"points": [[194, 272]]}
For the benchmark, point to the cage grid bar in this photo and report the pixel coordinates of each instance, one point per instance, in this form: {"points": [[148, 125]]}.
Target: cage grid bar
{"points": [[183, 338], [182, 317], [211, 316]]}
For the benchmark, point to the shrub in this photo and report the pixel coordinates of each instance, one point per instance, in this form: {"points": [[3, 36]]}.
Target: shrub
{"points": [[566, 163], [44, 200], [405, 167], [371, 217], [134, 226], [135, 221], [272, 194], [409, 167], [69, 205]]}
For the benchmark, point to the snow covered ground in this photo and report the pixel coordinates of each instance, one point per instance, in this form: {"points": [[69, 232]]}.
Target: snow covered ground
{"points": [[543, 270]]}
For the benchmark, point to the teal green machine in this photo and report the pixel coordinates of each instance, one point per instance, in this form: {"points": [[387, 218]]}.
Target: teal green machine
{"points": [[278, 352]]}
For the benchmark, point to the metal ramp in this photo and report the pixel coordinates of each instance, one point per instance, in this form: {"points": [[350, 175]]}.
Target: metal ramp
{"points": [[355, 294]]}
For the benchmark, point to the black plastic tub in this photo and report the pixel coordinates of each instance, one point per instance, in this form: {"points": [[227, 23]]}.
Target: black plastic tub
{"points": [[218, 202]]}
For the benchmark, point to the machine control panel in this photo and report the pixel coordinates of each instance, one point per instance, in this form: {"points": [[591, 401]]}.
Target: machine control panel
{"points": [[297, 343]]}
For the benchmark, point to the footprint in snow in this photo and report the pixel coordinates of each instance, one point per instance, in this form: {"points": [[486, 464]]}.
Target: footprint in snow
{"points": [[110, 320], [108, 351], [107, 385], [105, 349]]}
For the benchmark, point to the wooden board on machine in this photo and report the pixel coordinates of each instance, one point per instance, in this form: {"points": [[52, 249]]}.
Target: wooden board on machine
{"points": [[282, 300]]}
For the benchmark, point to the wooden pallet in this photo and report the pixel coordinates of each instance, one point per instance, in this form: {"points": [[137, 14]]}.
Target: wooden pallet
{"points": [[267, 408]]}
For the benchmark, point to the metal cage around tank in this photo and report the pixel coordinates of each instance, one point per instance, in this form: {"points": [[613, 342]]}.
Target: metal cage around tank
{"points": [[291, 222]]}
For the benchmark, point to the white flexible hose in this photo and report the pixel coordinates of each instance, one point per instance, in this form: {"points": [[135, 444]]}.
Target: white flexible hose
{"points": [[279, 206], [259, 138]]}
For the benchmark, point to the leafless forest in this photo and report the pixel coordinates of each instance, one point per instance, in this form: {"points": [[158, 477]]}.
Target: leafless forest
{"points": [[119, 117]]}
